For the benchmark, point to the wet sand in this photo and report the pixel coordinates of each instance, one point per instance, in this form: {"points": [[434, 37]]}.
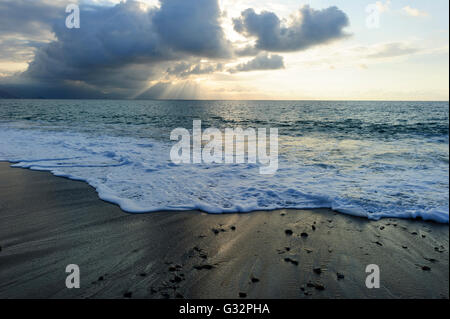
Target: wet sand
{"points": [[47, 222]]}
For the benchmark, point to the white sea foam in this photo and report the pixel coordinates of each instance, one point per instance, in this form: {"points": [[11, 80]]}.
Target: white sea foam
{"points": [[138, 175]]}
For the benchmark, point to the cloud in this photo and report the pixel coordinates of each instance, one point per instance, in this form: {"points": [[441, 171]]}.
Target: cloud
{"points": [[25, 26], [126, 34], [309, 28], [192, 27], [393, 49], [17, 50], [30, 18], [185, 69], [413, 12], [263, 61], [127, 48], [383, 6]]}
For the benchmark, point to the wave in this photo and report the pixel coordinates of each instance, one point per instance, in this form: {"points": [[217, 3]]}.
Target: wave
{"points": [[137, 175]]}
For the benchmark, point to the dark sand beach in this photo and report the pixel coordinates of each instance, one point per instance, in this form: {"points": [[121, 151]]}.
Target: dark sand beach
{"points": [[47, 222]]}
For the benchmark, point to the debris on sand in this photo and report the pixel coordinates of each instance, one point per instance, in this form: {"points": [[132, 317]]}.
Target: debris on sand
{"points": [[206, 266], [292, 261]]}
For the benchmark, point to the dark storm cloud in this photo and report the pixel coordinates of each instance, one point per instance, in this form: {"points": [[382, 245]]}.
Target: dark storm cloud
{"points": [[125, 46], [263, 61], [310, 27], [26, 25], [31, 18], [110, 38], [192, 27]]}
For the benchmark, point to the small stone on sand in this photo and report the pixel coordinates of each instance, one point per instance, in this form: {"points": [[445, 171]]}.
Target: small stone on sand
{"points": [[201, 267]]}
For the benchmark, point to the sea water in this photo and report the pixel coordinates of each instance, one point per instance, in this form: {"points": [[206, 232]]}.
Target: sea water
{"points": [[371, 159]]}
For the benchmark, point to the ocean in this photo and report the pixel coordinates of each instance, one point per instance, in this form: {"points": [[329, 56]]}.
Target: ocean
{"points": [[370, 159]]}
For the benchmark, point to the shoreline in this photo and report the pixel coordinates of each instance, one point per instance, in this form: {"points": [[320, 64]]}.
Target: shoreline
{"points": [[347, 213], [48, 222]]}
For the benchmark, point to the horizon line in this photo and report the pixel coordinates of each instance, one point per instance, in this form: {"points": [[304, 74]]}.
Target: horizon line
{"points": [[250, 100]]}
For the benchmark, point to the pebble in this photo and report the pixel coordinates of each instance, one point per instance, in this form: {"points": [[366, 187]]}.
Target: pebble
{"points": [[201, 267], [317, 270], [340, 276], [304, 235], [319, 287], [177, 279], [242, 295], [288, 232]]}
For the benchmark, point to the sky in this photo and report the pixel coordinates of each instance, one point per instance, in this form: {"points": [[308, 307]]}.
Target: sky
{"points": [[226, 49]]}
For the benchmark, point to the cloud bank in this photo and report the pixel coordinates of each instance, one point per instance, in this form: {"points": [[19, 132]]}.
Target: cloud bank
{"points": [[129, 50]]}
